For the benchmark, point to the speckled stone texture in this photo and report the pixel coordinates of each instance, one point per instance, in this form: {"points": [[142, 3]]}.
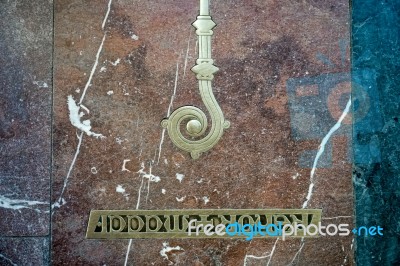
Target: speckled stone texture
{"points": [[30, 251], [376, 176], [25, 117], [25, 131], [283, 83]]}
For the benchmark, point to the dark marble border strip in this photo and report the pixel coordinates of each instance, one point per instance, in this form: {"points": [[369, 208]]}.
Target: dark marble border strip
{"points": [[49, 247], [26, 89], [26, 44], [24, 251], [376, 131]]}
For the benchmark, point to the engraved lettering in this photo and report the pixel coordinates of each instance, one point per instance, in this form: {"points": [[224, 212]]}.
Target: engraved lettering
{"points": [[128, 224], [117, 223], [153, 223], [135, 223]]}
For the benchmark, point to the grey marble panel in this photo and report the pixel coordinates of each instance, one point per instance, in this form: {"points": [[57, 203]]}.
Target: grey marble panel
{"points": [[26, 44]]}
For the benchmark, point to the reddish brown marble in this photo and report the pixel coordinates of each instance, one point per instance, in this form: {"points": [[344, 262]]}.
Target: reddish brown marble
{"points": [[259, 47]]}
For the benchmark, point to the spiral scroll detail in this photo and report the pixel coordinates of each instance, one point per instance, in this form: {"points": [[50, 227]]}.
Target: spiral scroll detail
{"points": [[195, 119]]}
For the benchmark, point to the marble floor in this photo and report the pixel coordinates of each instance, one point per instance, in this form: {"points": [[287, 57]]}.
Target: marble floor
{"points": [[309, 88]]}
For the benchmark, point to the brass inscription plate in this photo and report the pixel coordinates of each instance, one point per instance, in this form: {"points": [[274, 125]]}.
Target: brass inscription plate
{"points": [[106, 224]]}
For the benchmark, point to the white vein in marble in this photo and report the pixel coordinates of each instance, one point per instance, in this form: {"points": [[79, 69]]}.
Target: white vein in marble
{"points": [[17, 204], [166, 248], [321, 150]]}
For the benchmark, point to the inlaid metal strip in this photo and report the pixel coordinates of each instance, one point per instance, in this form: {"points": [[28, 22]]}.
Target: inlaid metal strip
{"points": [[106, 224]]}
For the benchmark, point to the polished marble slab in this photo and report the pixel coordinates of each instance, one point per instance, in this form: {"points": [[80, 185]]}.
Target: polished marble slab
{"points": [[284, 84], [295, 140], [24, 251], [25, 117], [375, 38]]}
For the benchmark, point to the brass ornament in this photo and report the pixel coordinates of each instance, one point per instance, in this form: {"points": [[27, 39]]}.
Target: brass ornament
{"points": [[128, 224], [194, 117]]}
